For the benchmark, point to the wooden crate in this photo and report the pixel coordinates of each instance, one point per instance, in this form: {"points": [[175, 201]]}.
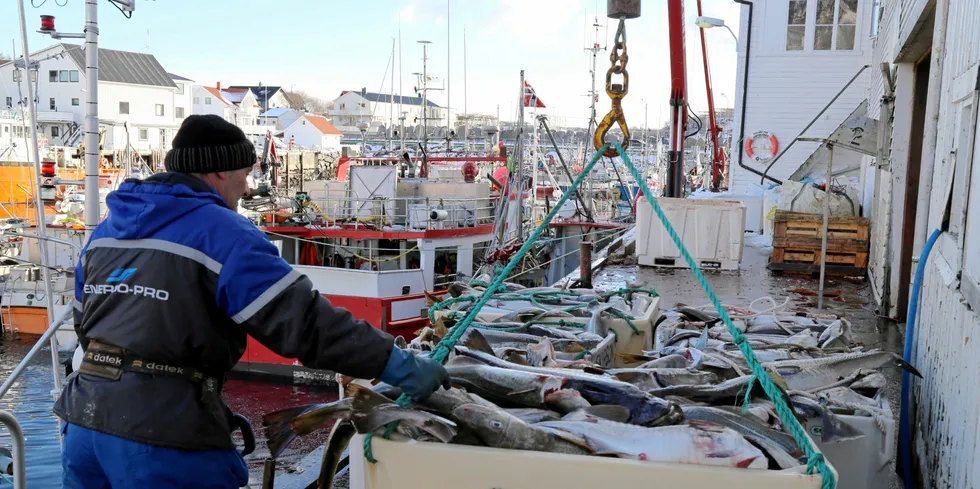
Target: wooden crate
{"points": [[797, 243]]}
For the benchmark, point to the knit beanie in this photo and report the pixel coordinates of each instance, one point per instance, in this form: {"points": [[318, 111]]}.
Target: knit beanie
{"points": [[209, 144]]}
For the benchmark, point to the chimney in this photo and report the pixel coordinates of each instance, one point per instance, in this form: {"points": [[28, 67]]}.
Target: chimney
{"points": [[363, 91], [219, 86]]}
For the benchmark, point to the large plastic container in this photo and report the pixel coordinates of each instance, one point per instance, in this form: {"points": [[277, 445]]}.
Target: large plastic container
{"points": [[864, 463], [416, 465], [626, 340], [711, 229]]}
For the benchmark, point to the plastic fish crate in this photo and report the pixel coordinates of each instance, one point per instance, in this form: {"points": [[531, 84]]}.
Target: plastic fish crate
{"points": [[864, 463], [421, 465], [711, 229], [627, 341]]}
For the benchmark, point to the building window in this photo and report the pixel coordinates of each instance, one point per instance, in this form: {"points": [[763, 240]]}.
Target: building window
{"points": [[55, 131], [158, 109], [73, 76], [123, 107], [342, 106], [74, 102], [53, 76], [180, 89], [846, 24], [10, 102], [144, 134], [63, 76], [179, 112], [197, 100], [796, 25], [17, 75], [51, 104], [18, 131], [207, 100]]}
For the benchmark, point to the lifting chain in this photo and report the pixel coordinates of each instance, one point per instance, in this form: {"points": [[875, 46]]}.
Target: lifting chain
{"points": [[616, 92]]}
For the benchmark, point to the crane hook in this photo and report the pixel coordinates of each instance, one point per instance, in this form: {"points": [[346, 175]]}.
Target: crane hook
{"points": [[618, 59]]}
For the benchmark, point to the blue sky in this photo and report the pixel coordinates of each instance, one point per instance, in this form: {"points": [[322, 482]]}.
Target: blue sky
{"points": [[326, 46]]}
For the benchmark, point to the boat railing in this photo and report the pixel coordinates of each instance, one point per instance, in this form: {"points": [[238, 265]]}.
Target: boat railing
{"points": [[417, 213], [17, 436]]}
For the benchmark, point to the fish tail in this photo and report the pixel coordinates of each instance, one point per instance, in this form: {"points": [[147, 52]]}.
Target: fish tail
{"points": [[278, 436], [908, 367], [284, 416]]}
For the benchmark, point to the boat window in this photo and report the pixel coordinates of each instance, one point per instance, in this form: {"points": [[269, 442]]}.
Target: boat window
{"points": [[444, 266], [796, 29]]}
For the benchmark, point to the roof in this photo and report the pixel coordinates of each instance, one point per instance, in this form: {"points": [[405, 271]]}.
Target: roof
{"points": [[387, 99], [125, 67], [261, 93], [323, 125], [235, 95], [276, 112], [178, 77], [217, 93]]}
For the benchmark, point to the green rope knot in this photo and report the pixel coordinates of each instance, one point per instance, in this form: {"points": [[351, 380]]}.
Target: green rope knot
{"points": [[582, 354], [748, 394], [813, 462]]}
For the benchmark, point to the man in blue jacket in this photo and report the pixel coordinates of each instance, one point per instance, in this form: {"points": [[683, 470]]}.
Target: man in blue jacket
{"points": [[166, 290]]}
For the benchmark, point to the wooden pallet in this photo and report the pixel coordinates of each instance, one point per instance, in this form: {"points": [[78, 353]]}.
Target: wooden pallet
{"points": [[797, 243], [788, 224]]}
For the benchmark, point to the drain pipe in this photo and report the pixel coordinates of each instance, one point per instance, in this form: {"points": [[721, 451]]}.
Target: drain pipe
{"points": [[745, 94], [905, 437]]}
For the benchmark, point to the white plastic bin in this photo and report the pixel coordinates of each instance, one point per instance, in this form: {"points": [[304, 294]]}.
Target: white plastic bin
{"points": [[712, 230], [417, 465], [863, 463]]}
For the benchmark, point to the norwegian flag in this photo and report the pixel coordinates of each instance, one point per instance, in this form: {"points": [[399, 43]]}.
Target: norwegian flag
{"points": [[530, 98]]}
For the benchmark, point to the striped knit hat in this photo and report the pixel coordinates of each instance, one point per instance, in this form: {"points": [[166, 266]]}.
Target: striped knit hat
{"points": [[209, 144]]}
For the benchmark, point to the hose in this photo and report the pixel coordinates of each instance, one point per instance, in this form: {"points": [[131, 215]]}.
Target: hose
{"points": [[903, 420]]}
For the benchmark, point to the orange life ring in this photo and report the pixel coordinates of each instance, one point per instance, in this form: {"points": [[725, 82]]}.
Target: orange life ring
{"points": [[104, 164], [773, 145]]}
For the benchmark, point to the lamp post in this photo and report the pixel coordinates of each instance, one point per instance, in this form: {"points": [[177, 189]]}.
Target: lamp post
{"points": [[709, 22]]}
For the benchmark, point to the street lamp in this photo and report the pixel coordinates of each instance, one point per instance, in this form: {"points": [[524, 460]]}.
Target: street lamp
{"points": [[709, 22]]}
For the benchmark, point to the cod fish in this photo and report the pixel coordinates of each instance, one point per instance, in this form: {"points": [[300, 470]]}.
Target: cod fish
{"points": [[779, 446], [568, 401], [499, 429], [505, 386], [808, 374], [338, 441], [365, 409], [696, 442], [645, 409]]}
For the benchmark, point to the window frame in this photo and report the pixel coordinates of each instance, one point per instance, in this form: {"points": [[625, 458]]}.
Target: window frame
{"points": [[810, 28], [73, 76], [53, 76], [207, 100], [63, 76], [52, 104], [10, 102], [159, 110], [143, 134], [121, 112], [179, 112], [75, 102], [55, 132]]}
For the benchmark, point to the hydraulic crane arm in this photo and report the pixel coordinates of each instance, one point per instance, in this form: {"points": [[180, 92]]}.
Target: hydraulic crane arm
{"points": [[678, 99]]}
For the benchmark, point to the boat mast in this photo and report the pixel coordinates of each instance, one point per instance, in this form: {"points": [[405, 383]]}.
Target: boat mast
{"points": [[593, 97], [425, 99], [391, 94], [466, 118], [449, 104], [519, 160], [401, 129], [38, 203]]}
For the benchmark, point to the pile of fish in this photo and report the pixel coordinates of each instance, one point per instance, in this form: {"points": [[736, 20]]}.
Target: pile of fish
{"points": [[526, 386]]}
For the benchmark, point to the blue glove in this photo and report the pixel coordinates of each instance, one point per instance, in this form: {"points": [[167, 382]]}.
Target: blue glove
{"points": [[418, 377]]}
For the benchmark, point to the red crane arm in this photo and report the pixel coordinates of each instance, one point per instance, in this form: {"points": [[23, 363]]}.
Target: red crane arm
{"points": [[678, 98]]}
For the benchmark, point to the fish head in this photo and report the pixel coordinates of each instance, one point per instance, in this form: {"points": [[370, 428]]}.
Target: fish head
{"points": [[492, 425], [565, 400]]}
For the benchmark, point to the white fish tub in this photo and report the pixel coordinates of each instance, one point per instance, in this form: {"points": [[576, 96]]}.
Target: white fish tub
{"points": [[626, 340], [863, 463], [418, 465], [711, 229]]}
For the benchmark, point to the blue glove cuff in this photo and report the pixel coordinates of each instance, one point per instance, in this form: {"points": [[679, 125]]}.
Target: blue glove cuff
{"points": [[400, 365]]}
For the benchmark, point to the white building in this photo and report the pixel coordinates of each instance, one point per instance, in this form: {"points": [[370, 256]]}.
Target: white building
{"points": [[800, 54], [381, 110], [279, 118], [238, 106], [928, 179], [269, 97], [183, 97], [134, 90], [312, 132]]}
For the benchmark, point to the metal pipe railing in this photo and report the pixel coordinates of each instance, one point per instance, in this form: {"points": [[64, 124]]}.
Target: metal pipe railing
{"points": [[17, 435], [19, 369]]}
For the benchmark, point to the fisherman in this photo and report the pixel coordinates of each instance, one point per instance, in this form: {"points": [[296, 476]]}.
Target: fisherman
{"points": [[166, 290]]}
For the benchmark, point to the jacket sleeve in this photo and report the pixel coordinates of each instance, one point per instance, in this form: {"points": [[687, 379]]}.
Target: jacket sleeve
{"points": [[279, 307], [79, 301]]}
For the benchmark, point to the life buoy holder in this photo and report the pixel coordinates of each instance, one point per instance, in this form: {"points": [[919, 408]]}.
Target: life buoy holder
{"points": [[773, 146], [104, 164]]}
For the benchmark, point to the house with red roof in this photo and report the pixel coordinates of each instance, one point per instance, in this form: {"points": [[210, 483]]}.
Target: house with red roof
{"points": [[312, 132]]}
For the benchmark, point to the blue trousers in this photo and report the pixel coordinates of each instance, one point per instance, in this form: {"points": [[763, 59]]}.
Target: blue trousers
{"points": [[93, 460]]}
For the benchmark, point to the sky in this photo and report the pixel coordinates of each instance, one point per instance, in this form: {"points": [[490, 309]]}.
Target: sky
{"points": [[327, 46]]}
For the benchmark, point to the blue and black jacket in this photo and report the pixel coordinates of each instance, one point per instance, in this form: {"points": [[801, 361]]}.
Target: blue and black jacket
{"points": [[173, 275]]}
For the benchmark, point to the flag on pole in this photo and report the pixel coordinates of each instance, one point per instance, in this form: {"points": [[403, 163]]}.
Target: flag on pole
{"points": [[530, 98]]}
